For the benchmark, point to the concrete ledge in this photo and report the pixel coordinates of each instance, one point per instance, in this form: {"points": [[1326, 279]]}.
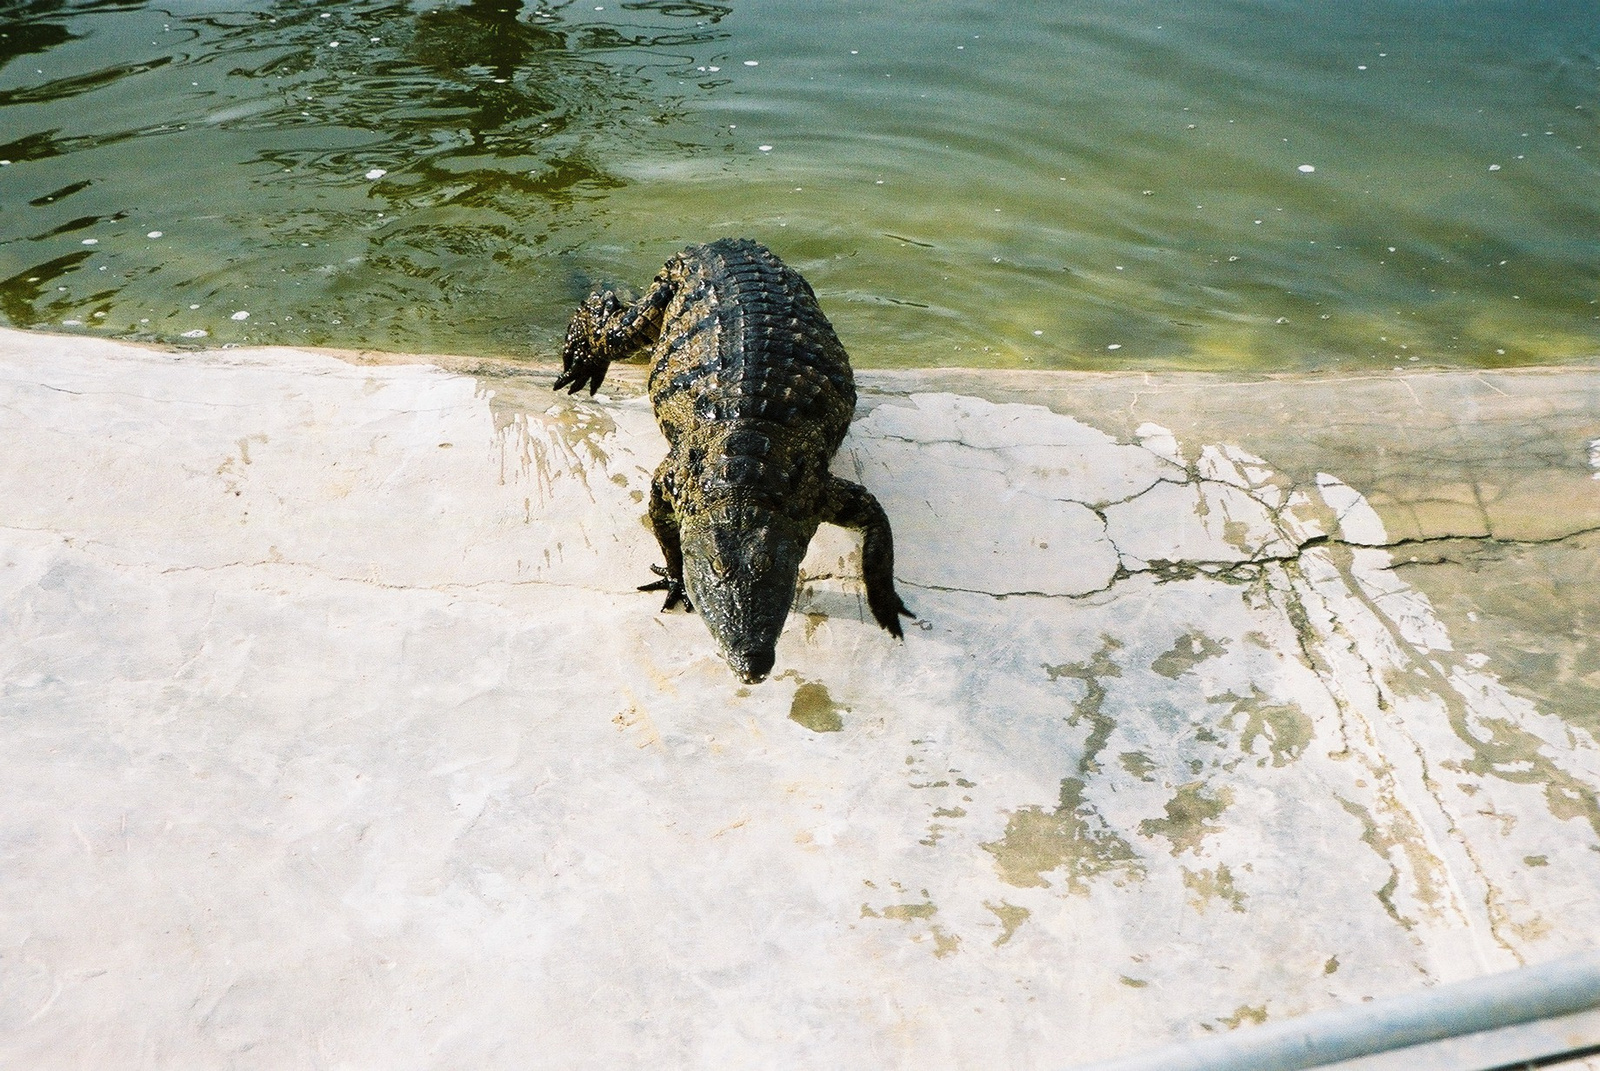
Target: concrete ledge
{"points": [[336, 735]]}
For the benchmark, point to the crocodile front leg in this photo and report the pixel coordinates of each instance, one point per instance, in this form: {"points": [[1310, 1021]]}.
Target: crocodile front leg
{"points": [[850, 505], [604, 329], [665, 523]]}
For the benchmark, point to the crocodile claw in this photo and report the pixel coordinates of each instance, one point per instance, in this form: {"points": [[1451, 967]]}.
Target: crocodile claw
{"points": [[889, 616], [673, 588]]}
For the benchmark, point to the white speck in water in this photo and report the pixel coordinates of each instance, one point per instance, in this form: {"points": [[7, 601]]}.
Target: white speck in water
{"points": [[1305, 169], [752, 63], [501, 81], [854, 52], [194, 306], [5, 163], [878, 183], [1361, 66], [376, 173], [71, 323], [764, 148], [333, 44], [153, 234], [1494, 167], [1114, 346], [241, 315], [91, 241], [1281, 320], [198, 332], [1391, 249], [1038, 332]]}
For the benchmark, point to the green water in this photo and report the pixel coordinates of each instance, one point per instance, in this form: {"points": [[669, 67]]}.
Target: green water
{"points": [[1045, 185]]}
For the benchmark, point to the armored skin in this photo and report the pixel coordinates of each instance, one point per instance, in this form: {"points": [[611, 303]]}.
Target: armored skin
{"points": [[754, 394]]}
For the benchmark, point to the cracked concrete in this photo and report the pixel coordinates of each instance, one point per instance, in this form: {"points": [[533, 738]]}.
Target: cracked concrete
{"points": [[336, 733]]}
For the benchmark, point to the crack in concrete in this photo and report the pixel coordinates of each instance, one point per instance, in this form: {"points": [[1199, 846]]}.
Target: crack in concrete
{"points": [[1239, 571]]}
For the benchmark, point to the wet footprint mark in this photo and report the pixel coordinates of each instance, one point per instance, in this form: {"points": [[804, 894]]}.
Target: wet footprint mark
{"points": [[813, 708], [952, 791]]}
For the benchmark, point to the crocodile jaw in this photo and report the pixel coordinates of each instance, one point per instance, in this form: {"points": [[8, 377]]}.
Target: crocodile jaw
{"points": [[740, 574]]}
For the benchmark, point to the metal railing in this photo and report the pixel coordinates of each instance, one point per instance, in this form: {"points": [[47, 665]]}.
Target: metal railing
{"points": [[1553, 992]]}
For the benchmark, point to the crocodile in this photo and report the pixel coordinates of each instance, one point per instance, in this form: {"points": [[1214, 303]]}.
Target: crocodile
{"points": [[754, 393]]}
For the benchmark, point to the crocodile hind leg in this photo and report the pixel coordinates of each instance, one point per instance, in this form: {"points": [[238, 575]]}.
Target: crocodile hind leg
{"points": [[604, 329], [665, 523], [850, 505]]}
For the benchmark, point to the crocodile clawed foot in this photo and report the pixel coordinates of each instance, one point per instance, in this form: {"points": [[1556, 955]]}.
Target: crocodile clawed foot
{"points": [[672, 586], [889, 616]]}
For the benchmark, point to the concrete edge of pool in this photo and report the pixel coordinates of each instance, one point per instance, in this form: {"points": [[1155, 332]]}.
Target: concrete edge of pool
{"points": [[336, 734]]}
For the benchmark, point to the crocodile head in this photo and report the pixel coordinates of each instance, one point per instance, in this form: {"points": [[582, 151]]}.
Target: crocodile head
{"points": [[740, 564]]}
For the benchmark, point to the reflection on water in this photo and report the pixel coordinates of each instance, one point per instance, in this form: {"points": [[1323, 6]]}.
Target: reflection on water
{"points": [[1144, 183], [358, 174]]}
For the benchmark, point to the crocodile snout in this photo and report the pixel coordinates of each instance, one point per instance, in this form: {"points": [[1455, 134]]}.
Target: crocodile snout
{"points": [[752, 666]]}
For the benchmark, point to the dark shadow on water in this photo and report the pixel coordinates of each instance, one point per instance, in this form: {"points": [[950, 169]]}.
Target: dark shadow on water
{"points": [[23, 298]]}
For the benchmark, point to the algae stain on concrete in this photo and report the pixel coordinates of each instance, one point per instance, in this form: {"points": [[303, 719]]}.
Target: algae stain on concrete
{"points": [[1237, 535], [1286, 728], [901, 912], [1191, 817], [1138, 764], [815, 709], [1401, 835], [944, 942], [1245, 1013], [1209, 885], [1011, 918], [1091, 707], [1073, 837], [1187, 652]]}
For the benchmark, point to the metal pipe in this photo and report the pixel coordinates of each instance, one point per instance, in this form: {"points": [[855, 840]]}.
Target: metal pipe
{"points": [[1560, 987]]}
